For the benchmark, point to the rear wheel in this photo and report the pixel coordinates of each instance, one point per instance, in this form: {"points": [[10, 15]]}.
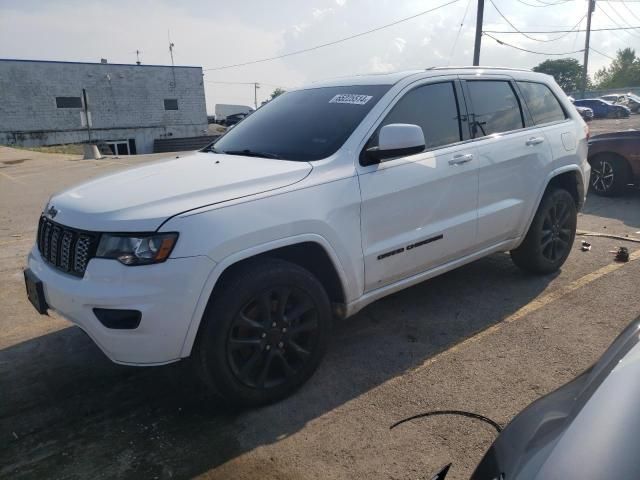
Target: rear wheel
{"points": [[264, 333], [550, 236], [610, 175]]}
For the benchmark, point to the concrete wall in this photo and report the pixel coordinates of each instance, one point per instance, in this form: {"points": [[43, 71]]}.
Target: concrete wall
{"points": [[124, 102]]}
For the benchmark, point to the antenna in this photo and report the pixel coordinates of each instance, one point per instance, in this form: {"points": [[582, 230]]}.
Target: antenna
{"points": [[171, 46], [173, 67], [138, 52]]}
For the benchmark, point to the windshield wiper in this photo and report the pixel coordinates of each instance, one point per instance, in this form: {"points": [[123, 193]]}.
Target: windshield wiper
{"points": [[250, 153], [210, 149]]}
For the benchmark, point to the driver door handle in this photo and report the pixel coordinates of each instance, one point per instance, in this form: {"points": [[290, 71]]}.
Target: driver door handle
{"points": [[461, 158], [534, 141]]}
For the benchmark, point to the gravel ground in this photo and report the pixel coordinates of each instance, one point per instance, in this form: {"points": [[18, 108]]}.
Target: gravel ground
{"points": [[485, 338]]}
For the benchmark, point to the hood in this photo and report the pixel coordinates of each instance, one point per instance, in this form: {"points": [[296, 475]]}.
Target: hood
{"points": [[585, 429], [140, 199]]}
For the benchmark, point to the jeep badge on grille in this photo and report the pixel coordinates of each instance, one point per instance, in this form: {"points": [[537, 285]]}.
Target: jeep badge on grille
{"points": [[52, 212]]}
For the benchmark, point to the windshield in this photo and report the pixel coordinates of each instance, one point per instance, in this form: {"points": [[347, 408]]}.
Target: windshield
{"points": [[302, 125]]}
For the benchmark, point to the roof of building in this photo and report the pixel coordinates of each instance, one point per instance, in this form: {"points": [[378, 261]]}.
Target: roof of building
{"points": [[93, 63]]}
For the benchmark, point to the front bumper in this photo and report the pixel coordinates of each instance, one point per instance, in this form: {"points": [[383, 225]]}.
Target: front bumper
{"points": [[166, 294]]}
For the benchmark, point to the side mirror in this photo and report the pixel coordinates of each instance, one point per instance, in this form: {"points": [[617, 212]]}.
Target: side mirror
{"points": [[396, 140]]}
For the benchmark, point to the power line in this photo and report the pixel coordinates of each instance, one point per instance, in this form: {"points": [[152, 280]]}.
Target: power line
{"points": [[543, 5], [530, 37], [455, 43], [630, 11], [615, 22], [530, 51], [600, 53], [297, 52], [565, 31]]}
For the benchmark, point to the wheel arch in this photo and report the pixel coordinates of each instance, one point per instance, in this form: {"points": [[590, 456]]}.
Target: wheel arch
{"points": [[312, 252], [568, 177]]}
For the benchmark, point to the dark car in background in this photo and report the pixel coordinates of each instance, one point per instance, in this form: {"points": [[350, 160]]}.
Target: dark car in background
{"points": [[235, 118], [603, 109], [587, 429], [627, 99], [615, 161], [585, 112]]}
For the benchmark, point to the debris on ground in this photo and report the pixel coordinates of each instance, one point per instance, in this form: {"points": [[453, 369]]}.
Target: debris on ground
{"points": [[586, 246], [622, 254]]}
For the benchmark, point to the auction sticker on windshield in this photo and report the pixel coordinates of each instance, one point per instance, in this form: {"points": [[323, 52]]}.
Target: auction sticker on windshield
{"points": [[352, 98]]}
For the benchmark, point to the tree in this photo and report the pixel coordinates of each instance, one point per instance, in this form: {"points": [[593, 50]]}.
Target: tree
{"points": [[624, 71], [566, 71], [277, 92]]}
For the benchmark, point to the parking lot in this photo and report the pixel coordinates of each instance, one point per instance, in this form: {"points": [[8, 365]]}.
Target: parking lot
{"points": [[486, 338]]}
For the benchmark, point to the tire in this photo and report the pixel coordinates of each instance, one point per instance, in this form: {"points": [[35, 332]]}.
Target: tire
{"points": [[610, 175], [263, 333], [551, 234]]}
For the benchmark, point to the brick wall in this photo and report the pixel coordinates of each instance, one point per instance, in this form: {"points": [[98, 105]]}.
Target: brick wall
{"points": [[125, 101]]}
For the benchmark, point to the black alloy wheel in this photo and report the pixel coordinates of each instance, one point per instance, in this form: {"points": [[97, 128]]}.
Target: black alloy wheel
{"points": [[272, 337], [557, 231], [264, 332], [550, 237]]}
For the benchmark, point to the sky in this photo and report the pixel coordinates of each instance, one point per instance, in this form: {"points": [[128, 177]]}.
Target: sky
{"points": [[212, 33]]}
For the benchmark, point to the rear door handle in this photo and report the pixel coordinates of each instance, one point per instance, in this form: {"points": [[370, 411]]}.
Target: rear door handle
{"points": [[461, 158], [534, 141]]}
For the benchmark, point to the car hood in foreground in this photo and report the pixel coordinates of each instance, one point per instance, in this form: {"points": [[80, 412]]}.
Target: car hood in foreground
{"points": [[587, 429], [140, 199]]}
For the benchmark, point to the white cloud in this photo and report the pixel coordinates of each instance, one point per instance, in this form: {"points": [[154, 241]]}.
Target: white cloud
{"points": [[320, 13], [341, 2], [377, 65], [400, 43]]}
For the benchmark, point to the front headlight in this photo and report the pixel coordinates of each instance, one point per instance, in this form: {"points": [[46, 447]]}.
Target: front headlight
{"points": [[137, 249]]}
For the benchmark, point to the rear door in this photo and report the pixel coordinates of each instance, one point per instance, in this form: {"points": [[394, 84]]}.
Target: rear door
{"points": [[512, 156], [419, 211]]}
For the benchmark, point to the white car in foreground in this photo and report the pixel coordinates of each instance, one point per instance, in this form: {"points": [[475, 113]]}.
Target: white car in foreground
{"points": [[322, 201]]}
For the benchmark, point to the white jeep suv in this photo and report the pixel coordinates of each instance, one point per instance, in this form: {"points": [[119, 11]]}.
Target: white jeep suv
{"points": [[322, 201]]}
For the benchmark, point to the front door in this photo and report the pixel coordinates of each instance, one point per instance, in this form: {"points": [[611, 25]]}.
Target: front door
{"points": [[420, 211]]}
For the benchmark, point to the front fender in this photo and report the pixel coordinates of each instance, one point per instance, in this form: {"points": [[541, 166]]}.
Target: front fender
{"points": [[236, 257]]}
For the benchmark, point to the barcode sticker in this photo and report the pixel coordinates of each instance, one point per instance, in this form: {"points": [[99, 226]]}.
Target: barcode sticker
{"points": [[351, 98]]}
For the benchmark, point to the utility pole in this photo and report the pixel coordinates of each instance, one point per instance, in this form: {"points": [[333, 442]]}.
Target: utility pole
{"points": [[476, 48], [590, 9], [256, 86]]}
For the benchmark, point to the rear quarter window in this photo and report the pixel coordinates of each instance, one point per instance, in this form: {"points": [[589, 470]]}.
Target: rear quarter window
{"points": [[542, 103]]}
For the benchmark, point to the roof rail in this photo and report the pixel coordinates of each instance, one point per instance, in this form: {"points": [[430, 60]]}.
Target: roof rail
{"points": [[480, 67]]}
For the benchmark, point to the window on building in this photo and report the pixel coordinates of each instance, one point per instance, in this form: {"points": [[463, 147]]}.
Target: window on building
{"points": [[542, 103], [432, 107], [495, 107], [68, 102], [171, 104]]}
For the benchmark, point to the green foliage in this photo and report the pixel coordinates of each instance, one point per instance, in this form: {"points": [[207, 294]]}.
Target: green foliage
{"points": [[277, 92], [566, 71], [624, 71]]}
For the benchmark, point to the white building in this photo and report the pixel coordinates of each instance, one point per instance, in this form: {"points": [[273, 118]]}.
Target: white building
{"points": [[127, 106]]}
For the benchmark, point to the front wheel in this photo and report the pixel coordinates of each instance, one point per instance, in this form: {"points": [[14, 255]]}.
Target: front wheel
{"points": [[264, 333], [550, 236]]}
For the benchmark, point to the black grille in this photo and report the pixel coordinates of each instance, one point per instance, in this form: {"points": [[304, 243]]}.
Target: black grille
{"points": [[67, 249]]}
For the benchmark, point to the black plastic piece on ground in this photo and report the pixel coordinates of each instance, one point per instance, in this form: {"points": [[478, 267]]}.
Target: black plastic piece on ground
{"points": [[622, 255]]}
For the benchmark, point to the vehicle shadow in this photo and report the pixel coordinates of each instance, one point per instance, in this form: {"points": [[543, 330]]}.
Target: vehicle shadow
{"points": [[625, 208], [67, 412]]}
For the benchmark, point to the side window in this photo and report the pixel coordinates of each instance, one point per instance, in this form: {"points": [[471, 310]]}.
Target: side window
{"points": [[433, 107], [542, 103], [495, 107]]}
